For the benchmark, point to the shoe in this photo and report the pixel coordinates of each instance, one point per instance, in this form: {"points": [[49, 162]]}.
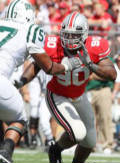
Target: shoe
{"points": [[54, 154], [5, 157], [107, 151], [33, 144]]}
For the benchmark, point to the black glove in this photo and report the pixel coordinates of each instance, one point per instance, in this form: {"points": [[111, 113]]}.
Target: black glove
{"points": [[20, 83]]}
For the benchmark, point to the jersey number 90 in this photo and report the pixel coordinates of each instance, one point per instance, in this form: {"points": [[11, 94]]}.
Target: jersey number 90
{"points": [[77, 77]]}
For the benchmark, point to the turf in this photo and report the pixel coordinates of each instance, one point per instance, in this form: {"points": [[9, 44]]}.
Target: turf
{"points": [[39, 157]]}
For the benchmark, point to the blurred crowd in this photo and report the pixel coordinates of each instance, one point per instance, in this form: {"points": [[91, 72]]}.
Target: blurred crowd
{"points": [[104, 20], [103, 16]]}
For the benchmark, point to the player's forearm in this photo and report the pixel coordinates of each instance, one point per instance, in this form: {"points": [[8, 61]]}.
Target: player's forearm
{"points": [[94, 76], [57, 69], [45, 63], [107, 72], [30, 72]]}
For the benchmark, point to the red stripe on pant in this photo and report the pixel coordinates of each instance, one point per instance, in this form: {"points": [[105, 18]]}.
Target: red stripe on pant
{"points": [[57, 115]]}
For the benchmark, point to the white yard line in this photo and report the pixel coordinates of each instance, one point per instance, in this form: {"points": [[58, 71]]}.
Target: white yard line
{"points": [[20, 151], [27, 151], [68, 160]]}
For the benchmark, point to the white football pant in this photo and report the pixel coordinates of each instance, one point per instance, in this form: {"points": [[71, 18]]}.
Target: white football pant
{"points": [[11, 103], [75, 116], [34, 89], [45, 117]]}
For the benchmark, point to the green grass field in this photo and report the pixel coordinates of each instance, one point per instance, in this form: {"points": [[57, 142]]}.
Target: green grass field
{"points": [[29, 156]]}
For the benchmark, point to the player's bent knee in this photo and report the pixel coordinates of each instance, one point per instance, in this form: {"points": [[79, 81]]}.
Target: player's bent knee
{"points": [[90, 140], [92, 143], [13, 126], [80, 132]]}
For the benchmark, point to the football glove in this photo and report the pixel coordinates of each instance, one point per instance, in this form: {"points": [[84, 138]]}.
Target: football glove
{"points": [[20, 83], [71, 63], [85, 59]]}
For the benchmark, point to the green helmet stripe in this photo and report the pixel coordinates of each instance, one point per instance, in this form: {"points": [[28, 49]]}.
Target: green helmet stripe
{"points": [[9, 9], [14, 7], [29, 32], [34, 34]]}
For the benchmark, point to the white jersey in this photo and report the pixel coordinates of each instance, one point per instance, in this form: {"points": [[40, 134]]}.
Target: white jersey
{"points": [[43, 79], [17, 41]]}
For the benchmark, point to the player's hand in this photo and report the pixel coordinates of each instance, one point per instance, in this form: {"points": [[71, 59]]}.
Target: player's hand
{"points": [[85, 59], [71, 63], [18, 84]]}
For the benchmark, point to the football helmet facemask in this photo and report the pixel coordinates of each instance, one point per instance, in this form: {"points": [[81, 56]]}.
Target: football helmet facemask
{"points": [[21, 11], [74, 30]]}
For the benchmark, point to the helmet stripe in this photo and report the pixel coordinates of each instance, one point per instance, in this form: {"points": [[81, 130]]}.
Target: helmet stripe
{"points": [[75, 19], [68, 20], [9, 8], [72, 17], [14, 7]]}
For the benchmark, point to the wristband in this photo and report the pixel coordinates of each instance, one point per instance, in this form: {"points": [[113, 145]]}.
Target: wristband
{"points": [[93, 67], [66, 67], [21, 83]]}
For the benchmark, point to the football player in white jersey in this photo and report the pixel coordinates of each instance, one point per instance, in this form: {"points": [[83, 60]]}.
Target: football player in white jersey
{"points": [[19, 37]]}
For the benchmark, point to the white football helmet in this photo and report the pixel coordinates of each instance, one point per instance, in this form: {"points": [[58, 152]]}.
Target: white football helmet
{"points": [[21, 11], [74, 30]]}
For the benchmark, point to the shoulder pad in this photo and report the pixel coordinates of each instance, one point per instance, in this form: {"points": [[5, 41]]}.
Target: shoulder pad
{"points": [[35, 39], [98, 48], [53, 47]]}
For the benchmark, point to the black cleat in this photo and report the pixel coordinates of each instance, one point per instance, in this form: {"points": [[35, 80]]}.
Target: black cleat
{"points": [[5, 157], [54, 154], [33, 144]]}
